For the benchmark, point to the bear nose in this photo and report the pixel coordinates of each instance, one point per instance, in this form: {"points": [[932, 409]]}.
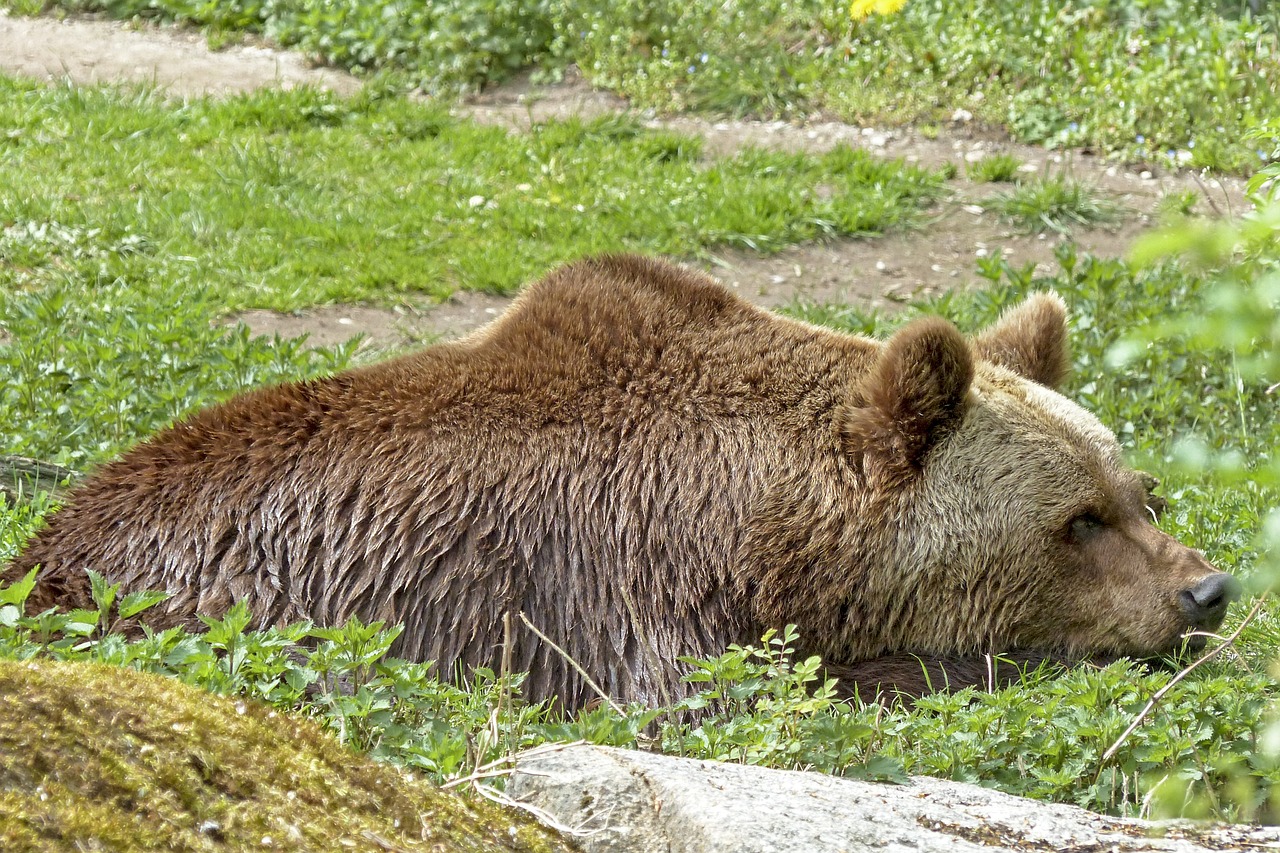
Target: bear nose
{"points": [[1205, 604]]}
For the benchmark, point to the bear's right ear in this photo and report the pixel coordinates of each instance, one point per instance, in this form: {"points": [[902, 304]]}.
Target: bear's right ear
{"points": [[912, 396]]}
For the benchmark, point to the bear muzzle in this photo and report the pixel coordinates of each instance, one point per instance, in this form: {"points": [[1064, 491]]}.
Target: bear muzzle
{"points": [[1205, 604]]}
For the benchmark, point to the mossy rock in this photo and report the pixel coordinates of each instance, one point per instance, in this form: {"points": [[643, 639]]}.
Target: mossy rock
{"points": [[100, 758]]}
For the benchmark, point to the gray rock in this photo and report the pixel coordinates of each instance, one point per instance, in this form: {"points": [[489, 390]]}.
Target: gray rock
{"points": [[625, 800]]}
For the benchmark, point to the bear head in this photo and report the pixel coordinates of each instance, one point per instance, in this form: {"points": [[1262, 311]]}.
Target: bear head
{"points": [[985, 512]]}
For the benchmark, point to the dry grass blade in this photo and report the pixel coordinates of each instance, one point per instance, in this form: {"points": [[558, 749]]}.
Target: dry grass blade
{"points": [[542, 816], [22, 478]]}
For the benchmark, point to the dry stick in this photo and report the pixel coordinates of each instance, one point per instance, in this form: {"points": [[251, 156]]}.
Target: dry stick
{"points": [[504, 673], [543, 817], [494, 768], [596, 687], [1160, 694]]}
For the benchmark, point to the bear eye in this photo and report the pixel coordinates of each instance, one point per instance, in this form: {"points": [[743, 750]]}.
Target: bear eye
{"points": [[1086, 525]]}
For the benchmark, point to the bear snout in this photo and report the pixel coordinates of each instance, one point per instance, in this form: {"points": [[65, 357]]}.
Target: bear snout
{"points": [[1205, 604]]}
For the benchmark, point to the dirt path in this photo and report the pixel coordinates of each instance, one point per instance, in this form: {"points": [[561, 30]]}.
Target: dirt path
{"points": [[879, 272], [96, 51]]}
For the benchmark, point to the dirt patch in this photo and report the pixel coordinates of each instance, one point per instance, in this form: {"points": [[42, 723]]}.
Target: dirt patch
{"points": [[519, 102], [89, 51], [877, 273], [383, 328]]}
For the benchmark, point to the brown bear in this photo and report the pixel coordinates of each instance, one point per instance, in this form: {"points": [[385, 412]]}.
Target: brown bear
{"points": [[650, 467]]}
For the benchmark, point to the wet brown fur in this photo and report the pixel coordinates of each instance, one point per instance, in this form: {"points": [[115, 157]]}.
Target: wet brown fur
{"points": [[649, 467]]}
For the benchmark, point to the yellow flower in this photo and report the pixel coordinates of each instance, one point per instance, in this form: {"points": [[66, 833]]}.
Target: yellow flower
{"points": [[862, 8]]}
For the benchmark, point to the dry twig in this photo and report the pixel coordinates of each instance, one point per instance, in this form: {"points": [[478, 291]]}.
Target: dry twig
{"points": [[590, 683], [541, 815], [496, 768], [1204, 658]]}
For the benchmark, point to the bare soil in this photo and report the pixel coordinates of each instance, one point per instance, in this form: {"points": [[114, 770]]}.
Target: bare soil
{"points": [[879, 272], [88, 51]]}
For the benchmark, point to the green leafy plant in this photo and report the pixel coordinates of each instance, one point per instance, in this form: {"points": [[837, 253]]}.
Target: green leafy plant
{"points": [[1240, 318], [758, 699], [755, 704]]}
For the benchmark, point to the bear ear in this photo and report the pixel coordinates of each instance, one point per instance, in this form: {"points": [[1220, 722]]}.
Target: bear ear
{"points": [[912, 396], [1030, 340]]}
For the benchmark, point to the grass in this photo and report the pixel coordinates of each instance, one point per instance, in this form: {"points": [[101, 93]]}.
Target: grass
{"points": [[1054, 204], [283, 200], [1178, 83], [92, 367], [1176, 205], [995, 169]]}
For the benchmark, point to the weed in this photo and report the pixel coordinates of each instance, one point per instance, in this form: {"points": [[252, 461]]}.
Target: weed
{"points": [[995, 168], [1176, 204], [1054, 204]]}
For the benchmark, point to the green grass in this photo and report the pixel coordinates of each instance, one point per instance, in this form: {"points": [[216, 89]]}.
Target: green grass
{"points": [[994, 169], [92, 367], [1176, 205], [283, 200], [1054, 204], [1166, 82]]}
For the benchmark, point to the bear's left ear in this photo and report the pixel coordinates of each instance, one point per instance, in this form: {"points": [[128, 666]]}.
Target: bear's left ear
{"points": [[911, 397], [1030, 340]]}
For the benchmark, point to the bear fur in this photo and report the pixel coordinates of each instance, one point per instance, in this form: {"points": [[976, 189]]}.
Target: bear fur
{"points": [[650, 467]]}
